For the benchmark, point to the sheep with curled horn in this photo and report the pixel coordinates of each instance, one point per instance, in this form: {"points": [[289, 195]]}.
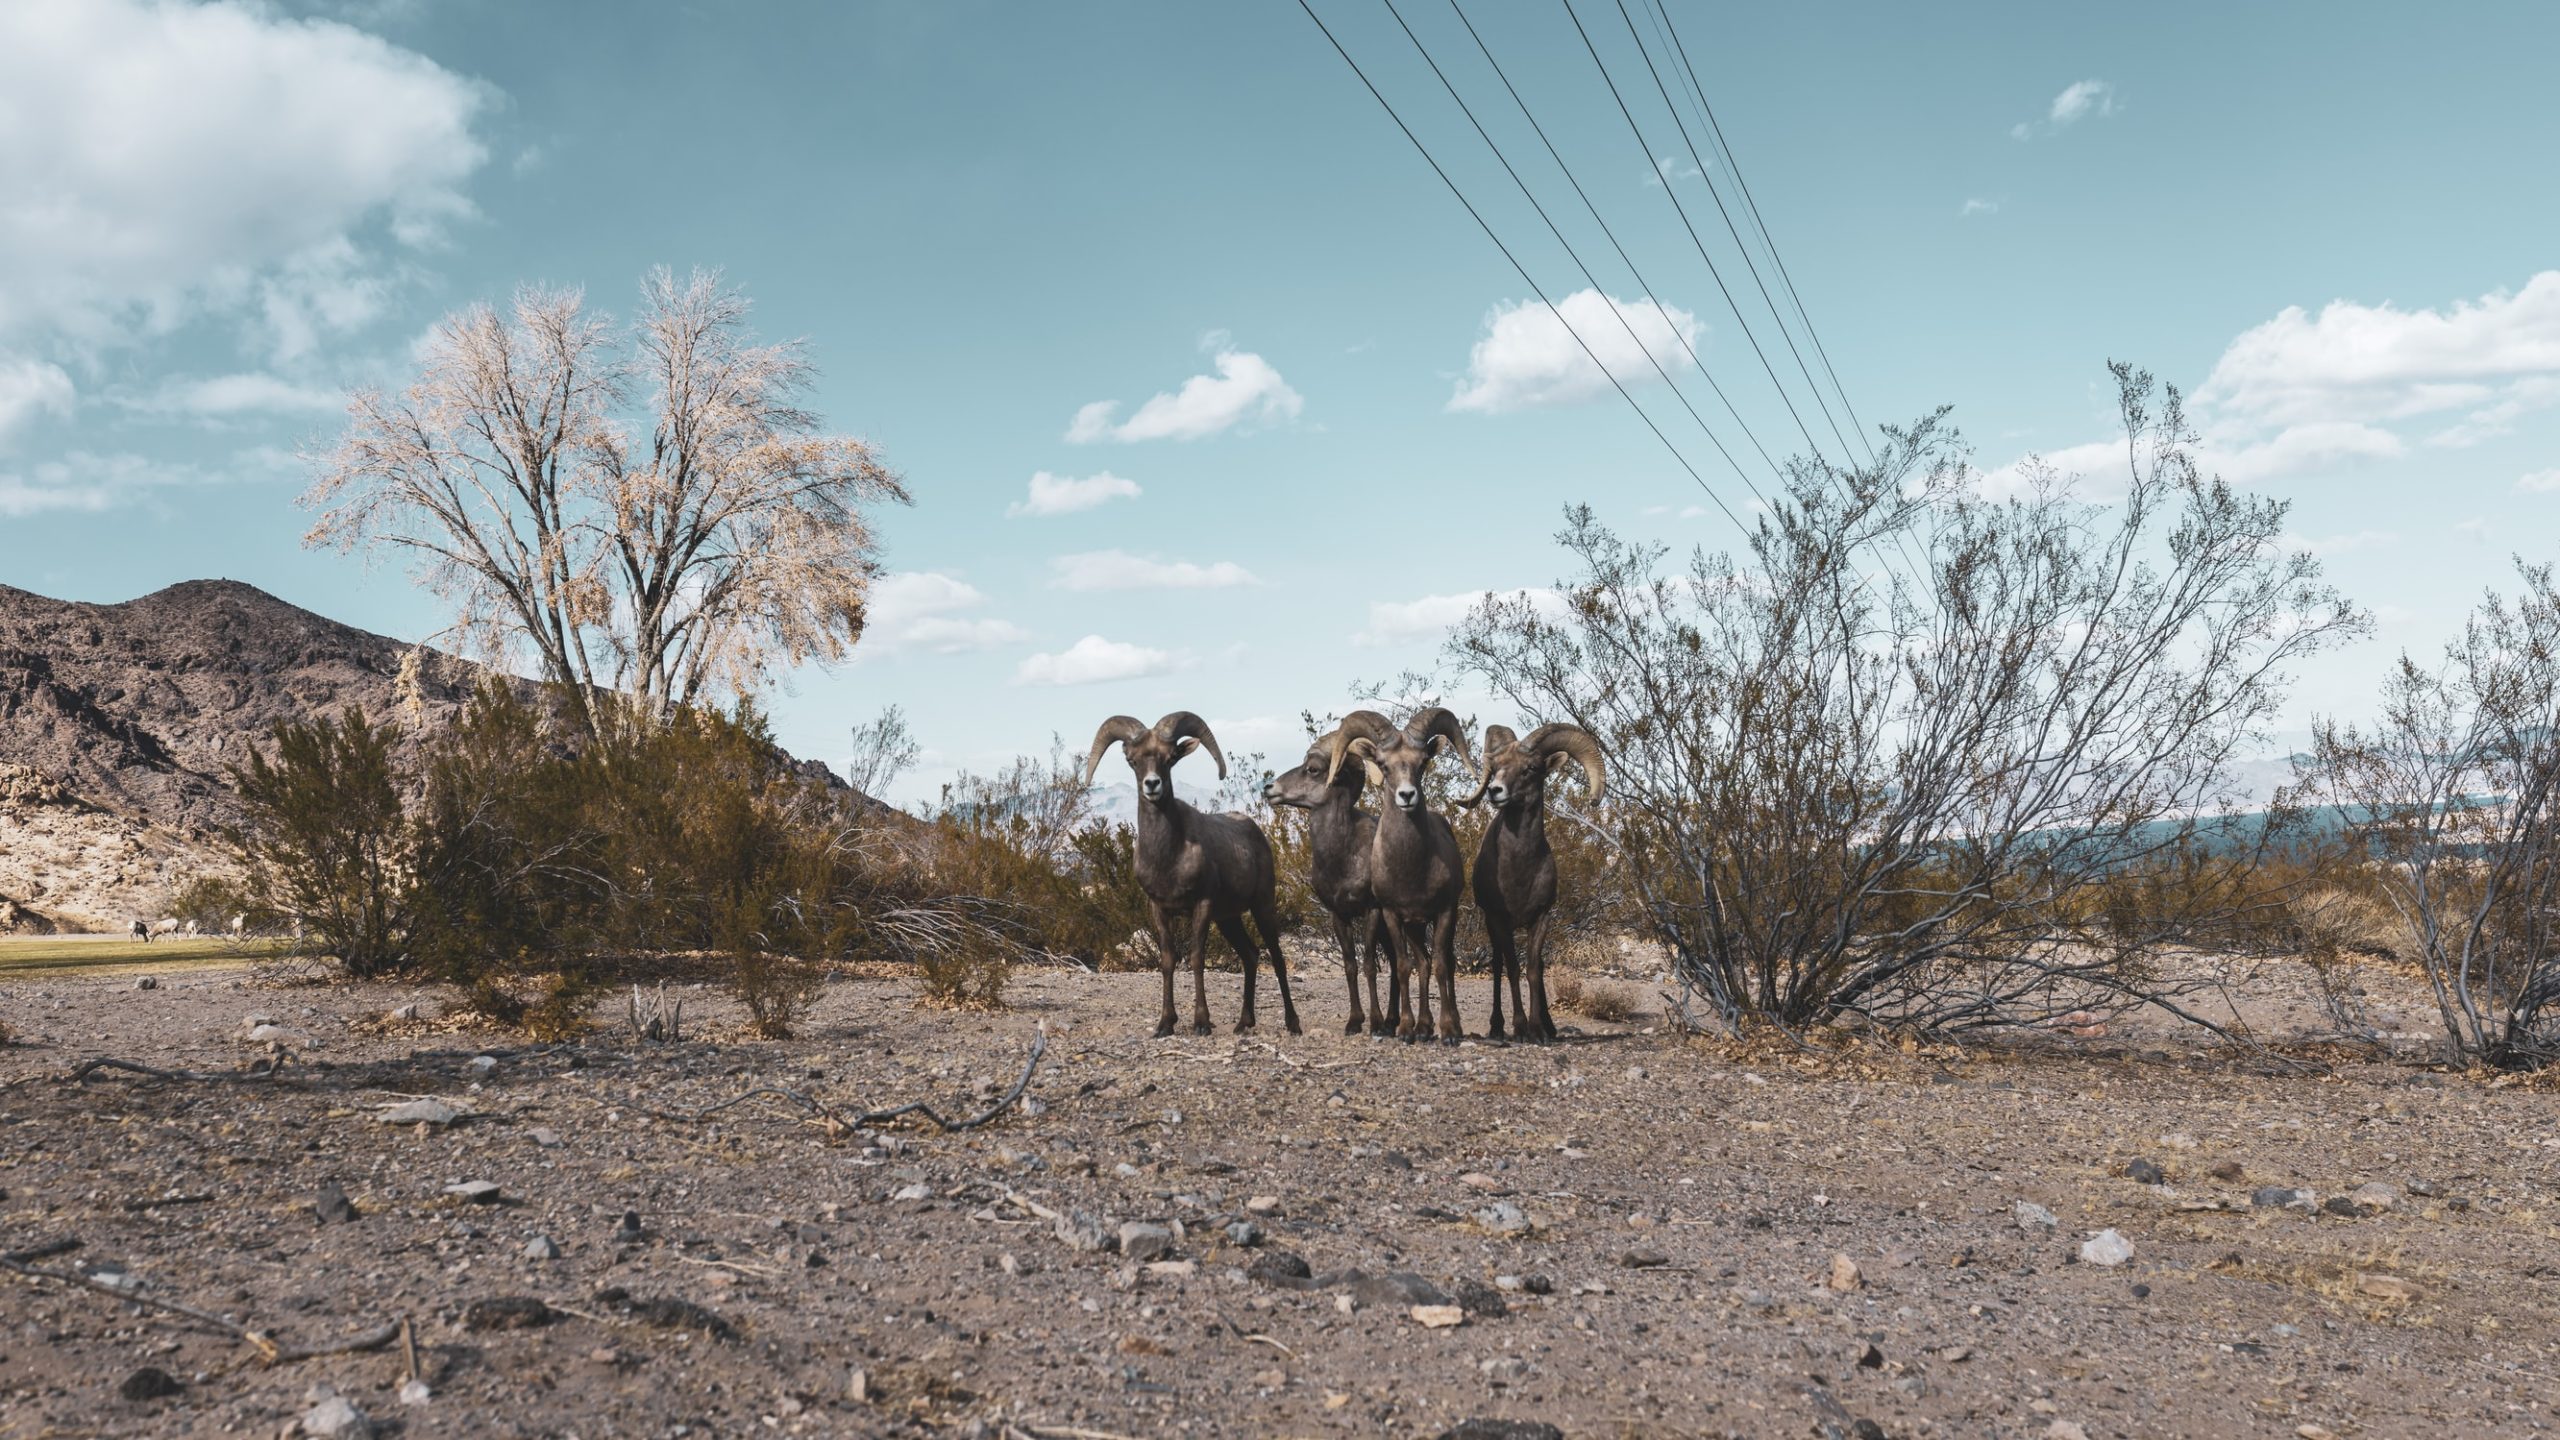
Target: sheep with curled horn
{"points": [[1414, 869], [1196, 868], [1339, 835], [1515, 870]]}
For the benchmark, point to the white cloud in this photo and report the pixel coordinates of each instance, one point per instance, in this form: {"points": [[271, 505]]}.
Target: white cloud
{"points": [[85, 481], [2539, 482], [1979, 206], [1246, 390], [1670, 168], [1094, 660], [1120, 570], [29, 388], [926, 610], [2077, 102], [157, 155], [1527, 358], [1393, 622], [246, 393], [1066, 494]]}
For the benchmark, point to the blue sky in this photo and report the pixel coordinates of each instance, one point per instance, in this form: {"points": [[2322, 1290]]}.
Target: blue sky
{"points": [[988, 220]]}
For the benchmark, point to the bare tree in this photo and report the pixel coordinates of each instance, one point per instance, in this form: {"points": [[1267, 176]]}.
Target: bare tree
{"points": [[884, 749], [1836, 790], [2452, 800], [647, 509]]}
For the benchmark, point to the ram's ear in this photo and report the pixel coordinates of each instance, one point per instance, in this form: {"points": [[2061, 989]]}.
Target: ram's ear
{"points": [[1184, 747], [1377, 776]]}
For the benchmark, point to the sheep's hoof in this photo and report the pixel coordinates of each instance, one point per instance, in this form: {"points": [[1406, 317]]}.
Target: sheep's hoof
{"points": [[1200, 1026], [1354, 1025], [1164, 1027], [1245, 1026], [1291, 1025], [1494, 1030]]}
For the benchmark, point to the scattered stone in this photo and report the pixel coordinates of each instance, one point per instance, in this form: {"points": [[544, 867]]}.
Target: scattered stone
{"points": [[429, 1111], [2065, 1430], [1399, 1288], [2387, 1287], [415, 1392], [2309, 1431], [1845, 1275], [2374, 1197], [629, 1231], [911, 1193], [1141, 1241], [1396, 1159], [1173, 1269], [146, 983], [2032, 1216], [2143, 1172], [544, 1136], [1871, 1358], [667, 1314], [484, 1065], [2108, 1248], [2283, 1197], [1281, 1270], [271, 1035], [402, 1012], [149, 1383], [333, 1207], [1438, 1317], [1866, 1429], [336, 1418], [1244, 1234], [1504, 1370], [2227, 1171], [1265, 1206], [474, 1192], [507, 1312], [1078, 1231], [1488, 1429], [858, 1388], [1478, 1180], [541, 1247], [1509, 1282], [1642, 1260], [2340, 1205], [1504, 1218]]}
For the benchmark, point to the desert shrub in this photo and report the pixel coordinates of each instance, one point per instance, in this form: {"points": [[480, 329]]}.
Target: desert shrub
{"points": [[1605, 1001], [1897, 759], [324, 849], [1565, 989]]}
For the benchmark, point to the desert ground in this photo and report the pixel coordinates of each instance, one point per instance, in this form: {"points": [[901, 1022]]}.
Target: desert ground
{"points": [[1629, 1233]]}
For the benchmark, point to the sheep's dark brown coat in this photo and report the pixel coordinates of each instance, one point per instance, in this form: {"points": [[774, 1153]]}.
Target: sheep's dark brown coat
{"points": [[1339, 836], [1515, 869], [1414, 867]]}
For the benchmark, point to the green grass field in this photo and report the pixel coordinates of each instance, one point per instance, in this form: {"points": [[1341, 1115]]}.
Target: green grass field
{"points": [[60, 954]]}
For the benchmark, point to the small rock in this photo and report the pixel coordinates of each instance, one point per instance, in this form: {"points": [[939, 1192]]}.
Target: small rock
{"points": [[1141, 1241], [333, 1207], [1504, 1218], [1482, 1300], [1399, 1288], [1173, 1269], [1845, 1275], [1244, 1234], [474, 1192], [149, 1383], [507, 1312], [1871, 1358], [1437, 1317], [1478, 1180], [145, 983], [2065, 1430], [2340, 1205], [1488, 1429], [2387, 1287], [858, 1388], [1265, 1206], [541, 1247], [544, 1136], [1078, 1231], [402, 1012], [1866, 1429], [1642, 1260], [629, 1231], [2227, 1171], [1509, 1282], [2308, 1431], [2032, 1216], [2283, 1197], [2143, 1172], [484, 1065], [2374, 1197], [1504, 1370], [1281, 1269], [415, 1392], [1126, 1171], [429, 1111], [271, 1035], [336, 1418], [2108, 1248]]}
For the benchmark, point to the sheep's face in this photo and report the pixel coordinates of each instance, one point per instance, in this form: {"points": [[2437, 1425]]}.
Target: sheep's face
{"points": [[1151, 758], [1396, 766], [1303, 786], [1516, 775]]}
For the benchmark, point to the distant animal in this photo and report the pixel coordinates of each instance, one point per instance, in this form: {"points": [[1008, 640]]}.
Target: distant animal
{"points": [[239, 926], [164, 927], [1339, 833], [1515, 870], [1196, 868], [140, 932], [1413, 860]]}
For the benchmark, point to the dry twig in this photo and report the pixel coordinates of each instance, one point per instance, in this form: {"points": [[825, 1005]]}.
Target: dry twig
{"points": [[268, 1348]]}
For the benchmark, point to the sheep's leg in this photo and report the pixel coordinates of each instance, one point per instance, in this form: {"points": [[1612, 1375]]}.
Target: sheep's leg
{"points": [[1407, 956], [1166, 956], [1541, 1025], [1382, 936], [1232, 926], [1351, 972], [1200, 969], [1497, 935], [1445, 941], [1418, 969], [1266, 919]]}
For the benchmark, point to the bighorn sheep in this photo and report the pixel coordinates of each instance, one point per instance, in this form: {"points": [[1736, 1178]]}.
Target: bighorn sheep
{"points": [[1414, 869], [1194, 867], [139, 931], [165, 927], [1339, 834], [1515, 871]]}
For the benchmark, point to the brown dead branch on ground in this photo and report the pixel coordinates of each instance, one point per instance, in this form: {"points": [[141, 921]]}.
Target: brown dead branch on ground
{"points": [[270, 1350], [837, 1123]]}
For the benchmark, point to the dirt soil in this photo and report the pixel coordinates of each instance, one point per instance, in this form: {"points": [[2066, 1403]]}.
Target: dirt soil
{"points": [[1721, 1239]]}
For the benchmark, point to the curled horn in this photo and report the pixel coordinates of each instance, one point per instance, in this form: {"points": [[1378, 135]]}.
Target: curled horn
{"points": [[1366, 725], [1433, 720], [1497, 738], [1119, 729], [1183, 725], [1570, 740]]}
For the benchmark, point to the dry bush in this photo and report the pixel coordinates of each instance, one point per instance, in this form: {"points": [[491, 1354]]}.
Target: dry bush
{"points": [[1565, 989], [1603, 1000], [964, 979]]}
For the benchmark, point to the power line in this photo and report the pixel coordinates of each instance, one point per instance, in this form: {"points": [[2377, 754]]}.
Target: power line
{"points": [[1651, 293], [1525, 278], [1623, 322], [1729, 228], [1779, 260]]}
